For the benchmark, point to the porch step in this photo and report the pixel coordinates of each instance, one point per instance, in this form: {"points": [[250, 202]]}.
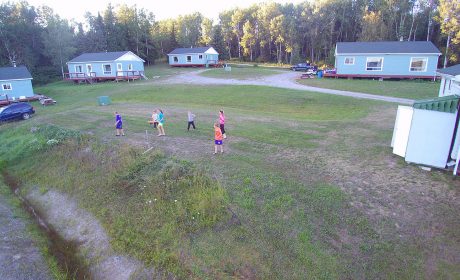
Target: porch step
{"points": [[143, 76]]}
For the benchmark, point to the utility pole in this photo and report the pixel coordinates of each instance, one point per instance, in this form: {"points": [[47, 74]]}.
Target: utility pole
{"points": [[447, 50]]}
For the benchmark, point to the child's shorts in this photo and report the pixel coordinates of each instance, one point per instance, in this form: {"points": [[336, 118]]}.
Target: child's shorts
{"points": [[218, 142], [119, 125]]}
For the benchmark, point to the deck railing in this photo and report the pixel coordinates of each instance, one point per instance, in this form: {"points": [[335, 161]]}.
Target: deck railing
{"points": [[130, 74], [80, 75]]}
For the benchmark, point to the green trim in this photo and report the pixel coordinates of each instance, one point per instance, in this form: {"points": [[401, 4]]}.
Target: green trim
{"points": [[447, 104]]}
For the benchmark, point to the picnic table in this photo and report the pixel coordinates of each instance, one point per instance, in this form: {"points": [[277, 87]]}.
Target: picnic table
{"points": [[47, 101]]}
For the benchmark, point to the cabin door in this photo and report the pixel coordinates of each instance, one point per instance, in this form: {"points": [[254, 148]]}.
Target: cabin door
{"points": [[119, 69], [89, 69]]}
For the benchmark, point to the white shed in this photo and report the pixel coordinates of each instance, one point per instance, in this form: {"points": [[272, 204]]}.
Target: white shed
{"points": [[450, 80], [427, 133]]}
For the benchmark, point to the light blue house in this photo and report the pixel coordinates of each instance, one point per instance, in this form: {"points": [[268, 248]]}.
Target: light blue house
{"points": [[16, 83], [95, 67], [450, 81], [193, 57], [398, 59]]}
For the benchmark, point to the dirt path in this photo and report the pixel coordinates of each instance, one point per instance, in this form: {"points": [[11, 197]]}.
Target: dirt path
{"points": [[282, 80], [19, 256], [93, 244]]}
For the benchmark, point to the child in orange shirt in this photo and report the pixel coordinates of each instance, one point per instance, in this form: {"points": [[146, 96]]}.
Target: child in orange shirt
{"points": [[218, 139]]}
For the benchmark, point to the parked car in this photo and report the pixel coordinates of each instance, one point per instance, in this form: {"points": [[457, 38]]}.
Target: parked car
{"points": [[304, 67], [16, 111]]}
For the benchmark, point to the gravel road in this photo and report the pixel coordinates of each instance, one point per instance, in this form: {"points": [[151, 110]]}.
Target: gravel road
{"points": [[20, 259], [282, 80]]}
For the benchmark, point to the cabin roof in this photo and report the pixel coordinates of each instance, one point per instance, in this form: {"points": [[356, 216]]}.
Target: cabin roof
{"points": [[452, 70], [387, 47], [14, 73], [190, 50], [101, 56]]}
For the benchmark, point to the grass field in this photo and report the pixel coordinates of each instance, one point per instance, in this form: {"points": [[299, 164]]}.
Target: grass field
{"points": [[406, 89], [241, 73], [307, 187]]}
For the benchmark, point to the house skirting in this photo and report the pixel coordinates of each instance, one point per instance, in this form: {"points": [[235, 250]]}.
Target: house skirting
{"points": [[374, 76], [191, 65]]}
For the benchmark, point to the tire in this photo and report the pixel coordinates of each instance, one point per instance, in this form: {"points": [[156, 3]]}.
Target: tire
{"points": [[25, 116]]}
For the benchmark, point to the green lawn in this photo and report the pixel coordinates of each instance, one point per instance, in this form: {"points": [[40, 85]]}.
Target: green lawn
{"points": [[306, 189], [163, 70], [406, 89], [241, 73]]}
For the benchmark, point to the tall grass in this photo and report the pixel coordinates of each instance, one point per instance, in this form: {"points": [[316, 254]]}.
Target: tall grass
{"points": [[147, 202]]}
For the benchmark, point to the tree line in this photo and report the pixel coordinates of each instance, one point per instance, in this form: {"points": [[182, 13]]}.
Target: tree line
{"points": [[269, 32]]}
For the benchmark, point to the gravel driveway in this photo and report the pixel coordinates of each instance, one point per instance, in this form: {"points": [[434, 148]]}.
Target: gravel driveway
{"points": [[20, 259], [282, 80]]}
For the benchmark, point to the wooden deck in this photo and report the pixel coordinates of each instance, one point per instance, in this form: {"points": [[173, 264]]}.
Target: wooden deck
{"points": [[375, 76], [8, 100], [90, 78]]}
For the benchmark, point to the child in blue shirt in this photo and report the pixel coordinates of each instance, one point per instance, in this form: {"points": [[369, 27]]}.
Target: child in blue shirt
{"points": [[119, 124]]}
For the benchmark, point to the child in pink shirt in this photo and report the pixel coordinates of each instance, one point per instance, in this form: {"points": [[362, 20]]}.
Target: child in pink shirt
{"points": [[222, 123]]}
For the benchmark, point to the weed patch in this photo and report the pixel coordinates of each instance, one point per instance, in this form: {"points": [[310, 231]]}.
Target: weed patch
{"points": [[148, 203]]}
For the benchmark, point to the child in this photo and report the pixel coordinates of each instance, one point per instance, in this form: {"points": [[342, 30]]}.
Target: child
{"points": [[155, 118], [222, 122], [119, 124], [218, 139], [161, 120], [191, 120]]}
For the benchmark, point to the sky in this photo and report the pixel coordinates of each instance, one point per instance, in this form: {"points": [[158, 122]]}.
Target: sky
{"points": [[162, 9]]}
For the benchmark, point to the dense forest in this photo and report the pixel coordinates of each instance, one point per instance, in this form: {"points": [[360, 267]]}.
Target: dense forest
{"points": [[270, 32]]}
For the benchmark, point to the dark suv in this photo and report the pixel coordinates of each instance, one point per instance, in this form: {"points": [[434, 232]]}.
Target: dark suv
{"points": [[303, 67], [16, 111]]}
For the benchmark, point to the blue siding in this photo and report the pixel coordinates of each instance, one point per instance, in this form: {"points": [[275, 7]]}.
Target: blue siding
{"points": [[97, 67], [195, 59], [449, 86], [18, 88], [393, 64]]}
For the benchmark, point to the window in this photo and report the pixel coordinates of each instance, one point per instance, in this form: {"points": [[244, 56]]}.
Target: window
{"points": [[176, 59], [130, 67], [107, 68], [200, 56], [418, 64], [7, 87], [189, 58], [374, 64], [89, 68], [78, 69], [349, 61]]}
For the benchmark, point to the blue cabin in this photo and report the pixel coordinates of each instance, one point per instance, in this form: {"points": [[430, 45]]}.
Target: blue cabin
{"points": [[16, 83], [193, 57], [450, 81], [96, 67], [398, 59]]}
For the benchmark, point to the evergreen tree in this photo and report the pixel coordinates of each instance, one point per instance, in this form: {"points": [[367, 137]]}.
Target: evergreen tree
{"points": [[218, 42]]}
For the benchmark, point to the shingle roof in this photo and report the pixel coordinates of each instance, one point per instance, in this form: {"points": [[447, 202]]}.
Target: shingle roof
{"points": [[416, 47], [189, 50], [453, 70], [102, 56], [14, 73]]}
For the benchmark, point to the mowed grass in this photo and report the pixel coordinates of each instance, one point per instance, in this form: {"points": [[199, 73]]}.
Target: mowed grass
{"points": [[272, 211], [240, 73], [163, 70], [406, 89]]}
